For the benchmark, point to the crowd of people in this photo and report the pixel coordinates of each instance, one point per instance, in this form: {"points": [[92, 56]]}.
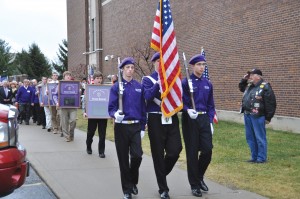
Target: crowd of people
{"points": [[131, 120]]}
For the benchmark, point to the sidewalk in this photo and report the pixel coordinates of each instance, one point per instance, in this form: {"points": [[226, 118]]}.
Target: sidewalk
{"points": [[73, 174]]}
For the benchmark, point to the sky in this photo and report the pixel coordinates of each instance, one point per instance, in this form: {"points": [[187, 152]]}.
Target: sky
{"points": [[44, 22]]}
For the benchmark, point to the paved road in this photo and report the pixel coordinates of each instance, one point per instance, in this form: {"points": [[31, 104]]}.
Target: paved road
{"points": [[34, 188]]}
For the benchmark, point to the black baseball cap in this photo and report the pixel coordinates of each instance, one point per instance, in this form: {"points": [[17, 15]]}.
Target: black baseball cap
{"points": [[255, 71]]}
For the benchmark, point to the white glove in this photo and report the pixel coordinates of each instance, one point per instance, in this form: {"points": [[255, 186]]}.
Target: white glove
{"points": [[142, 134], [212, 128], [192, 113], [119, 117]]}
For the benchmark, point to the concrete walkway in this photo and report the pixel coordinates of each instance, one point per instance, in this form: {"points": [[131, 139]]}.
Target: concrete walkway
{"points": [[73, 174]]}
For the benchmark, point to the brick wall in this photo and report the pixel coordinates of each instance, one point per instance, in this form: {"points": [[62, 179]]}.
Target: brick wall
{"points": [[77, 36], [236, 35]]}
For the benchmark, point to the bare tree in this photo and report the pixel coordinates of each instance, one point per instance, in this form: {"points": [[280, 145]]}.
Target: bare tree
{"points": [[142, 54]]}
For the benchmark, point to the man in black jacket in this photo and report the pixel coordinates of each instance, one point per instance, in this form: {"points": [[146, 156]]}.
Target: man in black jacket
{"points": [[258, 106], [5, 94]]}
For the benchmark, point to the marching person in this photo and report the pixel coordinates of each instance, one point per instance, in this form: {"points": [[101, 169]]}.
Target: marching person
{"points": [[5, 93], [36, 105], [129, 125], [68, 115], [24, 99], [55, 112], [258, 106], [165, 140], [197, 125], [45, 114], [93, 123]]}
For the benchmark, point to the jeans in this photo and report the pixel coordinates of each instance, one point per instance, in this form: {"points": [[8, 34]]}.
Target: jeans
{"points": [[256, 136]]}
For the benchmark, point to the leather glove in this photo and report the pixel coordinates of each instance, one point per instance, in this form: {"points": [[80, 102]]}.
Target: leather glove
{"points": [[212, 128], [142, 134], [119, 117], [192, 113]]}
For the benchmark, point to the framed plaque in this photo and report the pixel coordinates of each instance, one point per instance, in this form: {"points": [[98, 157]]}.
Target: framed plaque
{"points": [[96, 100], [52, 89], [43, 97], [69, 94]]}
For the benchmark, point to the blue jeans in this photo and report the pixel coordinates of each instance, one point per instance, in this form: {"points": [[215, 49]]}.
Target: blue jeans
{"points": [[256, 136]]}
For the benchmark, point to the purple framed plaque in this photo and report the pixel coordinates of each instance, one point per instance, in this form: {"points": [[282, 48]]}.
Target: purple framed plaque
{"points": [[43, 97], [52, 89], [69, 94], [96, 100]]}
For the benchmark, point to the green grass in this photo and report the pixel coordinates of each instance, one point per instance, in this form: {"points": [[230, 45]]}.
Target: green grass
{"points": [[278, 178]]}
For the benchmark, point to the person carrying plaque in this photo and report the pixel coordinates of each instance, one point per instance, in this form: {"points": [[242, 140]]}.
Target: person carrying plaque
{"points": [[68, 115], [94, 122]]}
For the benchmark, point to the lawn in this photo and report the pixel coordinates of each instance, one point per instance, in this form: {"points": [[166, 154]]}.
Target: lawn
{"points": [[278, 178]]}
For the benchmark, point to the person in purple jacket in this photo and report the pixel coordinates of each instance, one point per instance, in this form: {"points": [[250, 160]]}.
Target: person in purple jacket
{"points": [[129, 126], [24, 100], [197, 124], [165, 140]]}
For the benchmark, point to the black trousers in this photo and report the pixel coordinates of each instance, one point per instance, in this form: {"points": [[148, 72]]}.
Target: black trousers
{"points": [[25, 109], [128, 140], [197, 138], [91, 129], [165, 143], [35, 110], [41, 117]]}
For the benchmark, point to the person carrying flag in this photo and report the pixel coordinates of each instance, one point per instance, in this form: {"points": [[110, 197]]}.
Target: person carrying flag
{"points": [[165, 140], [197, 124]]}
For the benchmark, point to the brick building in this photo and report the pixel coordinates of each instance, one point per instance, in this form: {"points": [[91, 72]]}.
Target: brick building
{"points": [[236, 35]]}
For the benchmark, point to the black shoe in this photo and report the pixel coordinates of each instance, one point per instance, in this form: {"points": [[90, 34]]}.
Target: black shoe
{"points": [[61, 135], [127, 196], [196, 192], [135, 190], [165, 195], [203, 186], [27, 123], [102, 155], [44, 127], [260, 161], [34, 121], [20, 122], [49, 130], [251, 161], [39, 124], [89, 151]]}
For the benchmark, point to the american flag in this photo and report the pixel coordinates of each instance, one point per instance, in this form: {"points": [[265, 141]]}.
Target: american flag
{"points": [[206, 75], [90, 74], [163, 40]]}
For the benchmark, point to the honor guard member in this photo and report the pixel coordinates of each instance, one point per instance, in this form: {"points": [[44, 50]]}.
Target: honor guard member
{"points": [[94, 122], [258, 106], [129, 125], [165, 140], [197, 124]]}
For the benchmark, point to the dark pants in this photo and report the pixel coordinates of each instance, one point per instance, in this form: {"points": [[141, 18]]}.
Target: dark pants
{"points": [[25, 111], [197, 137], [41, 117], [35, 110], [165, 142], [92, 126], [128, 140]]}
